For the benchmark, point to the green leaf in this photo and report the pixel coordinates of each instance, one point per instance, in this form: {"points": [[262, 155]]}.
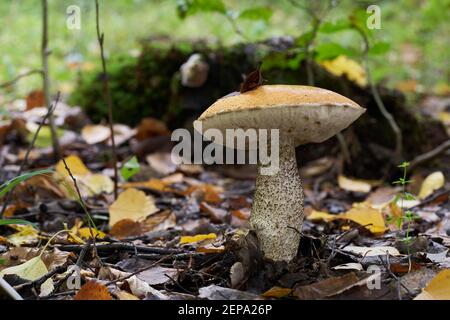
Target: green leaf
{"points": [[379, 48], [327, 51], [336, 26], [4, 222], [256, 13], [190, 7], [306, 37], [130, 168], [2, 261], [404, 164], [8, 185], [409, 196]]}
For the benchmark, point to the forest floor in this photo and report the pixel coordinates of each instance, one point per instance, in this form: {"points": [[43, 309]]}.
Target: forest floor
{"points": [[182, 231]]}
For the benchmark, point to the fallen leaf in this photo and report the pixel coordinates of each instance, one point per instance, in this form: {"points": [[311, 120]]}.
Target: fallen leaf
{"points": [[123, 295], [277, 292], [210, 248], [319, 215], [326, 288], [353, 185], [122, 133], [151, 127], [158, 275], [35, 99], [349, 266], [75, 165], [217, 215], [438, 288], [126, 228], [98, 183], [131, 204], [161, 162], [93, 290], [26, 234], [372, 251], [431, 183], [32, 270], [197, 238], [214, 292], [363, 214], [96, 133]]}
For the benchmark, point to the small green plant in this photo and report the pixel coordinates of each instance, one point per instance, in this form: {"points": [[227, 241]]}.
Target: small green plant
{"points": [[9, 185], [130, 168], [407, 216]]}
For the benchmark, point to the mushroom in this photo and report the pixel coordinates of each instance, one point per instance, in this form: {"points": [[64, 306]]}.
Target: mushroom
{"points": [[303, 115]]}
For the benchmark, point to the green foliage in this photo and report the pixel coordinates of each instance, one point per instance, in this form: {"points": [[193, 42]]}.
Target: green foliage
{"points": [[9, 185], [331, 50], [4, 222], [186, 8], [130, 168], [256, 13]]}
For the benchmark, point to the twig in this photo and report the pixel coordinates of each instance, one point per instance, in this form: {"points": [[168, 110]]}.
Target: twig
{"points": [[107, 93], [46, 79], [122, 246], [30, 147], [379, 102], [20, 76], [420, 159]]}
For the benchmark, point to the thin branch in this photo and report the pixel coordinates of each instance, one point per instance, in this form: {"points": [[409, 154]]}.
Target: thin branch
{"points": [[430, 155], [20, 76], [107, 93], [379, 102], [30, 147], [46, 79]]}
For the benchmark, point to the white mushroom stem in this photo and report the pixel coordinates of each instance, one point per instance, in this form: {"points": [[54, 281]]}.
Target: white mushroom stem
{"points": [[277, 211]]}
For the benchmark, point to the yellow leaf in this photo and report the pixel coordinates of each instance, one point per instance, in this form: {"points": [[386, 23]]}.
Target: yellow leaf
{"points": [[85, 233], [131, 204], [367, 216], [432, 182], [93, 134], [75, 165], [197, 238], [438, 288], [353, 184], [319, 215], [31, 270], [25, 234], [342, 65], [99, 183], [277, 292]]}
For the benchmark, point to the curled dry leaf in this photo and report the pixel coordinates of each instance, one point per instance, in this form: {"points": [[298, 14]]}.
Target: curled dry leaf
{"points": [[93, 290], [131, 204], [353, 184], [277, 292], [93, 134], [431, 183], [326, 288]]}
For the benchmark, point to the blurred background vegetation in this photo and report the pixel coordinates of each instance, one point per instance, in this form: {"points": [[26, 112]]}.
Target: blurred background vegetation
{"points": [[416, 32]]}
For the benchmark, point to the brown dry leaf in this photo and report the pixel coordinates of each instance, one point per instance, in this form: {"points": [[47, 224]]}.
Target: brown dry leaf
{"points": [[326, 288], [161, 185], [151, 127], [123, 295], [35, 99], [354, 185], [211, 248], [381, 197], [277, 292], [93, 290], [131, 204], [438, 288], [211, 193], [159, 221], [243, 213], [363, 214], [126, 228], [217, 215], [431, 183], [95, 133]]}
